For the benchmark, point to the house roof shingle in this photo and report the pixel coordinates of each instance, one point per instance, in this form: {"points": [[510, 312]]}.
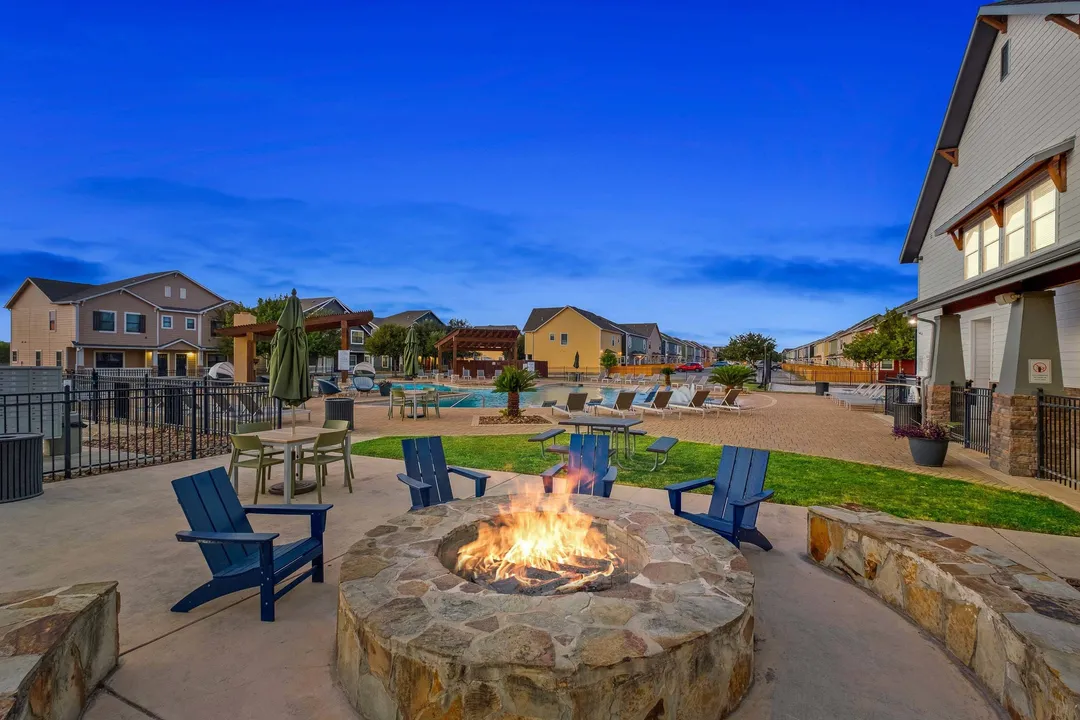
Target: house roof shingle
{"points": [[641, 329], [539, 316], [404, 318]]}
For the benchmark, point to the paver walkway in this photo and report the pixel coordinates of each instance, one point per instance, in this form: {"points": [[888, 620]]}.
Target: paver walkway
{"points": [[825, 649]]}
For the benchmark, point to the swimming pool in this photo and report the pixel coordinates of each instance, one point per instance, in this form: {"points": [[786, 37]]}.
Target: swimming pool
{"points": [[468, 397]]}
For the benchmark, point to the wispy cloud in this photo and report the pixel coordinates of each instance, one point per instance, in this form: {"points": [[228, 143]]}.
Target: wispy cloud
{"points": [[17, 266], [801, 275]]}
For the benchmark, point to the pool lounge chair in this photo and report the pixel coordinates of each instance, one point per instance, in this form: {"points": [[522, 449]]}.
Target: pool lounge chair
{"points": [[624, 404], [659, 405], [696, 404], [612, 378], [480, 376], [466, 375], [728, 402], [575, 404]]}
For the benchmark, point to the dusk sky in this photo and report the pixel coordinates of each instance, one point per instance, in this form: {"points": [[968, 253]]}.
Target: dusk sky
{"points": [[712, 167]]}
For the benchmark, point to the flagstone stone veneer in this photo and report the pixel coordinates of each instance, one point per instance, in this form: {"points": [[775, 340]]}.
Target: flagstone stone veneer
{"points": [[417, 642], [56, 645], [1018, 629]]}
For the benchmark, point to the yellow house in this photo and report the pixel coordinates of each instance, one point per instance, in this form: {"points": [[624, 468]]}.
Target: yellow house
{"points": [[555, 335]]}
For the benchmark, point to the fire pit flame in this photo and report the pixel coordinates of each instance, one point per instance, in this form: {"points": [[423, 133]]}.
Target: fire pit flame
{"points": [[539, 546]]}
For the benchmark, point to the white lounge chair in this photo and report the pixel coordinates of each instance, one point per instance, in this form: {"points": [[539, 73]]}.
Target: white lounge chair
{"points": [[624, 404], [575, 404], [612, 378], [696, 404], [728, 402], [659, 405]]}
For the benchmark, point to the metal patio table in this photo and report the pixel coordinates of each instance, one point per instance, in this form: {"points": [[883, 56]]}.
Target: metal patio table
{"points": [[614, 424]]}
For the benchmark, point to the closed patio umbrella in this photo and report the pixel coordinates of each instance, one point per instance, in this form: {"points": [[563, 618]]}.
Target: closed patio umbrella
{"points": [[289, 379], [412, 353]]}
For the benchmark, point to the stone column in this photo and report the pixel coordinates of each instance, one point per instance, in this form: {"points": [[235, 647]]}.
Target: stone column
{"points": [[1032, 335], [946, 368]]}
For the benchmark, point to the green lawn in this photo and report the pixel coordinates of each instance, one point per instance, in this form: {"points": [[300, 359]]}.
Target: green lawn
{"points": [[797, 480]]}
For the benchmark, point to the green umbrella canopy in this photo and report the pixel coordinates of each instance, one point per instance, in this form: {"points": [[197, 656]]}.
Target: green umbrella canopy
{"points": [[289, 379], [412, 352]]}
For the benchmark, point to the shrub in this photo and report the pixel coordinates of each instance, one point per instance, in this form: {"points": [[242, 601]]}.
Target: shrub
{"points": [[926, 431], [513, 381], [732, 375]]}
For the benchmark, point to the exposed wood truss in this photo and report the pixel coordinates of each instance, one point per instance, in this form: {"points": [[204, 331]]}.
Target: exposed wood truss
{"points": [[1057, 171], [997, 211], [998, 22], [950, 154], [956, 239], [1065, 22]]}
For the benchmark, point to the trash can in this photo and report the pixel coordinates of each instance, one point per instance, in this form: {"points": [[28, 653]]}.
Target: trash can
{"points": [[821, 388], [340, 409], [121, 402], [906, 413], [21, 466]]}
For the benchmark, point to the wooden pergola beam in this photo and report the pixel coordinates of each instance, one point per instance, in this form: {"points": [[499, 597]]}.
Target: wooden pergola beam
{"points": [[998, 22], [1070, 25], [951, 154]]}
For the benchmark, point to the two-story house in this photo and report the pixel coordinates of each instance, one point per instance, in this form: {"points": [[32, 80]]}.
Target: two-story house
{"points": [[996, 225], [162, 321], [405, 319], [654, 341], [558, 334], [357, 336], [673, 349]]}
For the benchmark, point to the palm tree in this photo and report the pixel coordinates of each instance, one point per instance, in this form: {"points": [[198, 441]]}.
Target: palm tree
{"points": [[514, 381]]}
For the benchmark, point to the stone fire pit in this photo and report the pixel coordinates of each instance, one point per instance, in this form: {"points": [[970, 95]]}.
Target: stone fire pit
{"points": [[673, 638]]}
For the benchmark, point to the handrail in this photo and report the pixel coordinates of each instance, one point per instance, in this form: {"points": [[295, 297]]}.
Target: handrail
{"points": [[483, 402]]}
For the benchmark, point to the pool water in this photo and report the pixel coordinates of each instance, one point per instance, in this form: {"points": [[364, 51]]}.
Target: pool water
{"points": [[465, 397]]}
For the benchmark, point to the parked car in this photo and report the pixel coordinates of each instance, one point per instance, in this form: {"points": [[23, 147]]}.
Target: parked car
{"points": [[691, 367], [721, 363]]}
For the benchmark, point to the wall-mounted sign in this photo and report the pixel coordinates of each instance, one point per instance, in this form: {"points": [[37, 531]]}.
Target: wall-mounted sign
{"points": [[1039, 372], [343, 360]]}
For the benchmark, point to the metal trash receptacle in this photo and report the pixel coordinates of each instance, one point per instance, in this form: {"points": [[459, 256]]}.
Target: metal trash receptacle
{"points": [[821, 388], [906, 413], [340, 409], [22, 466]]}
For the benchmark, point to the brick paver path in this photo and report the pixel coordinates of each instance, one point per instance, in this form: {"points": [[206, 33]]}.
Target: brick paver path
{"points": [[798, 423]]}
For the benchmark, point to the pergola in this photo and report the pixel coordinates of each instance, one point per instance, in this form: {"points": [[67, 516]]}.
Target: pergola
{"points": [[475, 339], [244, 337]]}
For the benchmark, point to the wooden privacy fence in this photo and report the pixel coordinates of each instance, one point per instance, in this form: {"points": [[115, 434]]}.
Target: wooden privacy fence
{"points": [[540, 367], [828, 373]]}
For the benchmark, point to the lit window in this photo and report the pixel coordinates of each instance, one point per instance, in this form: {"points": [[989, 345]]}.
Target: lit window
{"points": [[183, 293], [168, 291], [971, 252], [991, 247], [1043, 215], [166, 322], [1016, 229], [564, 339], [189, 323], [52, 320]]}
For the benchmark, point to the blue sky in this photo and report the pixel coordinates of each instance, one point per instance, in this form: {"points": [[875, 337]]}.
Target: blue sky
{"points": [[714, 169]]}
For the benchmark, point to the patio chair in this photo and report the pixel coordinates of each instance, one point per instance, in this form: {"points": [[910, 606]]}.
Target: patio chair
{"points": [[397, 400], [480, 377], [466, 375], [346, 451], [696, 404], [263, 426], [728, 402], [659, 405], [427, 474], [612, 378], [587, 467], [624, 403], [430, 398], [738, 489], [328, 448], [249, 452], [327, 387], [238, 557], [575, 403], [363, 383]]}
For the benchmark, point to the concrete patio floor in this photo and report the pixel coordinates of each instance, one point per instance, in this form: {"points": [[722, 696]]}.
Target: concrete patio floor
{"points": [[825, 649]]}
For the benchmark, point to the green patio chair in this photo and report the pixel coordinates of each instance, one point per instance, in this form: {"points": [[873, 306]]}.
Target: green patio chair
{"points": [[250, 427], [346, 451], [430, 397], [249, 452], [397, 399], [327, 449]]}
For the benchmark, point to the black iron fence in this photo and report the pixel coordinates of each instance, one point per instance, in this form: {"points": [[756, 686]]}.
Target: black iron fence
{"points": [[969, 416], [900, 392], [1058, 438], [104, 424]]}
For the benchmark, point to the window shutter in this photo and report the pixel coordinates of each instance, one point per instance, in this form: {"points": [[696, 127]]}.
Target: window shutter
{"points": [[142, 323], [97, 320]]}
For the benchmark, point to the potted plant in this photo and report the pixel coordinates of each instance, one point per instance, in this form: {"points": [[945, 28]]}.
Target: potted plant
{"points": [[608, 360], [666, 372], [384, 388], [732, 375], [514, 381], [928, 441]]}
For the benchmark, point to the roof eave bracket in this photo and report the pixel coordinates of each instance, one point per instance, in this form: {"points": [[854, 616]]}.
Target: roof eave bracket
{"points": [[998, 22], [1063, 21]]}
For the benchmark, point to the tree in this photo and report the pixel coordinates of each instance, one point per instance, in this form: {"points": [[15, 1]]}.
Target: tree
{"points": [[608, 359], [732, 375], [456, 323], [864, 349], [514, 381], [897, 336], [388, 340], [429, 332], [520, 347], [324, 343], [749, 347], [5, 352]]}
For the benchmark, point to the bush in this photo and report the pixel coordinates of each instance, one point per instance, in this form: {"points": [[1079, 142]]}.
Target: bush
{"points": [[732, 375], [513, 381]]}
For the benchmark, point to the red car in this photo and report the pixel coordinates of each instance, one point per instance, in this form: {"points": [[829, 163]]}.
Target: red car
{"points": [[691, 367]]}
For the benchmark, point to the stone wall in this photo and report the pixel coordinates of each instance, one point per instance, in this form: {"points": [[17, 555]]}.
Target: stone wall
{"points": [[1015, 627], [56, 645], [938, 399], [1014, 434]]}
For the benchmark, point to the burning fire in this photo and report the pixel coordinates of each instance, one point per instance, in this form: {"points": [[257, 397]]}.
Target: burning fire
{"points": [[541, 545]]}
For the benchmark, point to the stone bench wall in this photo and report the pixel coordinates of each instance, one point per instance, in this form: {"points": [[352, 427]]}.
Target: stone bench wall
{"points": [[1015, 627], [56, 645]]}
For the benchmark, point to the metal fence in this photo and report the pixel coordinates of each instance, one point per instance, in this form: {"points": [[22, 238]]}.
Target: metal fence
{"points": [[900, 392], [116, 423], [1058, 436], [969, 415]]}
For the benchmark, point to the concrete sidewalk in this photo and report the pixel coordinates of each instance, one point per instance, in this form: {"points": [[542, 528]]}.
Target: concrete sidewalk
{"points": [[825, 649]]}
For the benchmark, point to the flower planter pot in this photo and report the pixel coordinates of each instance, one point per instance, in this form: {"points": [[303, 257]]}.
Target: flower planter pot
{"points": [[928, 453]]}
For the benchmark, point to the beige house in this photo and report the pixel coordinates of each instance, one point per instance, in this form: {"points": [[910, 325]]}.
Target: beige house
{"points": [[161, 320]]}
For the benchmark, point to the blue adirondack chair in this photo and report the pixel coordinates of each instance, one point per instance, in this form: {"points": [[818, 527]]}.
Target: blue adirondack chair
{"points": [[587, 466], [738, 488], [428, 475], [240, 558]]}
